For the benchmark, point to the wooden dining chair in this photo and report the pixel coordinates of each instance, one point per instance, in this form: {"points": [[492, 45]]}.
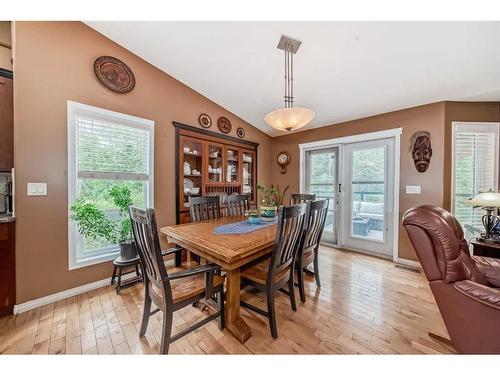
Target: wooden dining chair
{"points": [[204, 208], [173, 289], [302, 198], [309, 246], [273, 272], [237, 204]]}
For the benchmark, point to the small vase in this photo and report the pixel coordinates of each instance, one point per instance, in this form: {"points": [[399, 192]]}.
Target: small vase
{"points": [[128, 250]]}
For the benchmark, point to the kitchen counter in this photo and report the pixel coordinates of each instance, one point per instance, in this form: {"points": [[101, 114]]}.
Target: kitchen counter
{"points": [[7, 218]]}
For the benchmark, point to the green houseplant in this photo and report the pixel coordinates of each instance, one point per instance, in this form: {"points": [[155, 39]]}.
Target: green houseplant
{"points": [[92, 222], [273, 198]]}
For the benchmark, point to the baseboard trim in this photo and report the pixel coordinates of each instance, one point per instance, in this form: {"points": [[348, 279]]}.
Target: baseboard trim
{"points": [[408, 263], [33, 304]]}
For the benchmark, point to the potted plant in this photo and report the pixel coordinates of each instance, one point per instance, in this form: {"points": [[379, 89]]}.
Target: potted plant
{"points": [[273, 198], [92, 222], [253, 216]]}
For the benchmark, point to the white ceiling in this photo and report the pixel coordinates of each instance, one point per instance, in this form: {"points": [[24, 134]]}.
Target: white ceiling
{"points": [[343, 70]]}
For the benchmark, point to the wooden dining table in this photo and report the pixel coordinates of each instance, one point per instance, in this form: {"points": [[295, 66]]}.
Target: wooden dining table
{"points": [[230, 252]]}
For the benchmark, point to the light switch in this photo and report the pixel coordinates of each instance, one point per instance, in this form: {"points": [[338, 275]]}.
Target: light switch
{"points": [[37, 188], [416, 189]]}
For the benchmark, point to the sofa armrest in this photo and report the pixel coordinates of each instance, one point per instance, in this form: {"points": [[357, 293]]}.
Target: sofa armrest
{"points": [[480, 293], [490, 268]]}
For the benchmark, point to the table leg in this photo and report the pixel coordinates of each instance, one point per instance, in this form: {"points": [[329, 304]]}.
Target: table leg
{"points": [[234, 323]]}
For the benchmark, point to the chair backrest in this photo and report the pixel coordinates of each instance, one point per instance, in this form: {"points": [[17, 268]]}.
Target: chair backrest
{"points": [[237, 204], [204, 208], [438, 240], [314, 226], [302, 198], [148, 247], [289, 232]]}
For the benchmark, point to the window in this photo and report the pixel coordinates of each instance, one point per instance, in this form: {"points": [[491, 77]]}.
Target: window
{"points": [[475, 169], [105, 148]]}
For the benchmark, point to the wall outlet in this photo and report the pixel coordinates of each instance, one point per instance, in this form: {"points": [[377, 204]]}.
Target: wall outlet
{"points": [[37, 188], [416, 189]]}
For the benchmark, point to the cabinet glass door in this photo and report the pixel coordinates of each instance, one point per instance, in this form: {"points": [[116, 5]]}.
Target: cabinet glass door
{"points": [[232, 165], [248, 174], [215, 164], [191, 168]]}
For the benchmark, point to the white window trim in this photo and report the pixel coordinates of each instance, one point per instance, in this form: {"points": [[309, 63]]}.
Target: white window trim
{"points": [[338, 142], [75, 109], [454, 126]]}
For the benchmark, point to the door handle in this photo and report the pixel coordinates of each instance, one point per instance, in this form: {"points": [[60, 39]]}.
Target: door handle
{"points": [[340, 188]]}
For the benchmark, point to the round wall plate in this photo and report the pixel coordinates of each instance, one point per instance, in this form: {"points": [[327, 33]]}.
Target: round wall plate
{"points": [[240, 132], [224, 125], [114, 74], [205, 120]]}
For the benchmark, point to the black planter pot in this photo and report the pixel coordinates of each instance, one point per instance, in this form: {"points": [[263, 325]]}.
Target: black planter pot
{"points": [[128, 251]]}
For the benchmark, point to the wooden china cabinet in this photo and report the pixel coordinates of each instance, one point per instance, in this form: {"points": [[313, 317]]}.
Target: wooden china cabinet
{"points": [[209, 163]]}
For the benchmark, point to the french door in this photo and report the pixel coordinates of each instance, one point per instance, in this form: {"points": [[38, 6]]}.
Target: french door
{"points": [[368, 196], [322, 174]]}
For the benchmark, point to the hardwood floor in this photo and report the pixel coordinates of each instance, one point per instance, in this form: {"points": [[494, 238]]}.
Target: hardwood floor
{"points": [[365, 305]]}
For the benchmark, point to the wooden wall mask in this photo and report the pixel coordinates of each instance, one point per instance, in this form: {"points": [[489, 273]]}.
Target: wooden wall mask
{"points": [[421, 150]]}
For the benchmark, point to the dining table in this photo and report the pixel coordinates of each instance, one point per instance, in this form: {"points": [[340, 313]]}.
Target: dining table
{"points": [[231, 252]]}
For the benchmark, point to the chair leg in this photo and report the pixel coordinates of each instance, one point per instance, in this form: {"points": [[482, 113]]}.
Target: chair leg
{"points": [[166, 332], [316, 270], [300, 277], [114, 276], [146, 312], [271, 313], [137, 270], [119, 283], [222, 317], [178, 258], [291, 291]]}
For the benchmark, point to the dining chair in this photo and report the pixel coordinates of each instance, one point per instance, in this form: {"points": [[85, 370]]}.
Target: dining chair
{"points": [[204, 208], [237, 204], [309, 246], [273, 272], [302, 198], [173, 289]]}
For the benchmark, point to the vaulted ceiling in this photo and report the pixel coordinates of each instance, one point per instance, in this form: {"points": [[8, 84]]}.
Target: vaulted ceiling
{"points": [[343, 70]]}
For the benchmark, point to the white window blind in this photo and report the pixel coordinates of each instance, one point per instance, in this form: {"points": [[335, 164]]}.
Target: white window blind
{"points": [[112, 151], [475, 169], [105, 149]]}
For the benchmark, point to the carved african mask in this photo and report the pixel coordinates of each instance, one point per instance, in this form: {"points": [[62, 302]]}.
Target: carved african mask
{"points": [[421, 150]]}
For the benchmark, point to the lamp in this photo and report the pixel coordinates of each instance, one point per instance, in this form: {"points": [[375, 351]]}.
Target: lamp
{"points": [[289, 118], [489, 201]]}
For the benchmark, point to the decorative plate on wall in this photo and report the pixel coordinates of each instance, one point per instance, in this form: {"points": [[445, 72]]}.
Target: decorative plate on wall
{"points": [[224, 125], [205, 120], [240, 132], [114, 74]]}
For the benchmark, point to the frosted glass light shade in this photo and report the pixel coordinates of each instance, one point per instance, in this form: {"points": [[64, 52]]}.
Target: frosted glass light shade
{"points": [[486, 199], [288, 119]]}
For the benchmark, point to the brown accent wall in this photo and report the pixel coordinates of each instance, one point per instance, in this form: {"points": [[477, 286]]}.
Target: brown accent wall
{"points": [[467, 112], [435, 182], [53, 64], [428, 117]]}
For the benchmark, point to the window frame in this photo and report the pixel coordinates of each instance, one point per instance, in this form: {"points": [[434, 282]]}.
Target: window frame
{"points": [[479, 126], [75, 109]]}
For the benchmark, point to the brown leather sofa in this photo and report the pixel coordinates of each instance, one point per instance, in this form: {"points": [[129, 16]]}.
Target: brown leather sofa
{"points": [[466, 288]]}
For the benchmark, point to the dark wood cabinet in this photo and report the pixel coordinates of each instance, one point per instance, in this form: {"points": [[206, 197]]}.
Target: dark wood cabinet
{"points": [[6, 125], [7, 268], [209, 163], [485, 249]]}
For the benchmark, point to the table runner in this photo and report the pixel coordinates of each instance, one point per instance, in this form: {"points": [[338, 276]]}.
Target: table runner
{"points": [[242, 227]]}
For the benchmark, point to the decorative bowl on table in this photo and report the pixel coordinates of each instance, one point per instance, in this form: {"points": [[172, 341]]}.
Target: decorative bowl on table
{"points": [[268, 211], [254, 220]]}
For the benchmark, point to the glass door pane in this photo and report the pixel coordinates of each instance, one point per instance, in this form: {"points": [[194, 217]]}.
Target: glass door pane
{"points": [[191, 168], [367, 190], [322, 180], [215, 165], [248, 174], [232, 165]]}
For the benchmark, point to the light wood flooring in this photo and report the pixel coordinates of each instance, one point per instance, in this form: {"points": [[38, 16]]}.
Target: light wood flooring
{"points": [[365, 305]]}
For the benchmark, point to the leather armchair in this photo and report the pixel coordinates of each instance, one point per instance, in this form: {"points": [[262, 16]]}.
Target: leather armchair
{"points": [[466, 288]]}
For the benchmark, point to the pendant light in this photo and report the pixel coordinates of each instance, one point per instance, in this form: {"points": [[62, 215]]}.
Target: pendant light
{"points": [[289, 118]]}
